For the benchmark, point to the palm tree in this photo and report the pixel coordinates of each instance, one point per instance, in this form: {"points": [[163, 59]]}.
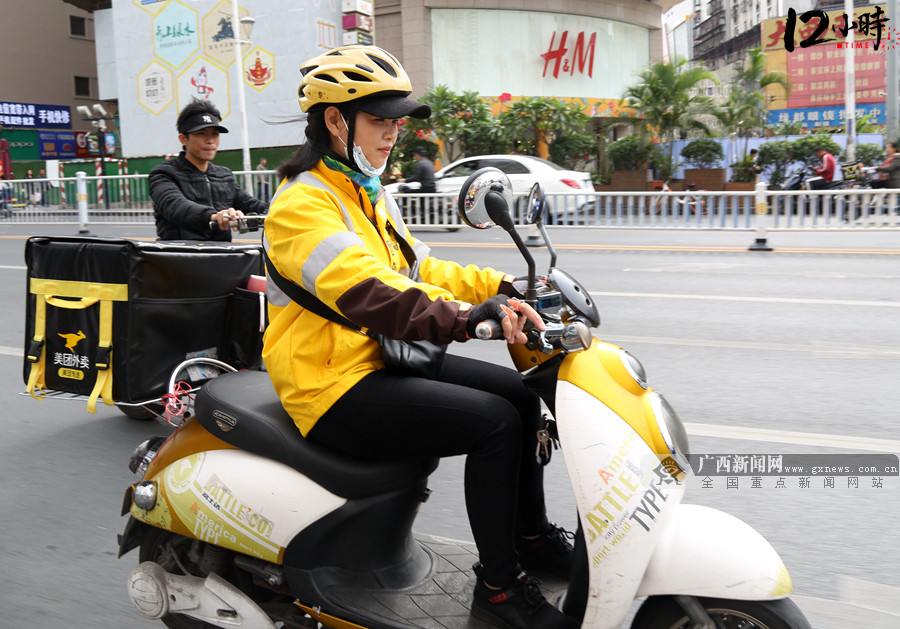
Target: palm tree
{"points": [[665, 99], [752, 76], [744, 111]]}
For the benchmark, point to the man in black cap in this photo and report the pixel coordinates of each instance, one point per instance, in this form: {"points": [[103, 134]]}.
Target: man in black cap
{"points": [[424, 174], [189, 191], [424, 171]]}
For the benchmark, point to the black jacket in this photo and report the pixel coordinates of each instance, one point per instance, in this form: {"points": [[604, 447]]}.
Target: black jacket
{"points": [[892, 169], [183, 199], [424, 174]]}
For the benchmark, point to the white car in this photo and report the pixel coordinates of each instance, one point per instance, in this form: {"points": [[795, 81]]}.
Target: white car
{"points": [[523, 171]]}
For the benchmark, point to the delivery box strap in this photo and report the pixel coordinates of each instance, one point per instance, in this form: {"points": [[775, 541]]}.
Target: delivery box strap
{"points": [[71, 304], [103, 363], [36, 350], [79, 295], [78, 290]]}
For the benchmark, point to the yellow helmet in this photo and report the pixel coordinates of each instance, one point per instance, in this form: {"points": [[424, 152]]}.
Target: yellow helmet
{"points": [[368, 74]]}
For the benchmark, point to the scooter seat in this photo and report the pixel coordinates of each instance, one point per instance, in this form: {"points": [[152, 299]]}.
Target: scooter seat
{"points": [[243, 410]]}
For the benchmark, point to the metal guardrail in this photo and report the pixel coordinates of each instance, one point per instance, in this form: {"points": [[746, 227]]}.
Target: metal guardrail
{"points": [[125, 200]]}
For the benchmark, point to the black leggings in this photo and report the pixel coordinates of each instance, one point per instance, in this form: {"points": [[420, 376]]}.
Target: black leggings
{"points": [[474, 408]]}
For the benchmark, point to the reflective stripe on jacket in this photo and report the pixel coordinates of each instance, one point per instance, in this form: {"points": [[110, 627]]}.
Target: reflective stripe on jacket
{"points": [[323, 233]]}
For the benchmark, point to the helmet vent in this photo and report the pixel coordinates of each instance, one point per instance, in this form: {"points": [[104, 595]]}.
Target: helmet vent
{"points": [[327, 77], [355, 76], [384, 65], [307, 70]]}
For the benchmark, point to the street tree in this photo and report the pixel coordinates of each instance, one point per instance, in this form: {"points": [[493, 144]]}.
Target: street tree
{"points": [[530, 121], [743, 112], [463, 123], [666, 101]]}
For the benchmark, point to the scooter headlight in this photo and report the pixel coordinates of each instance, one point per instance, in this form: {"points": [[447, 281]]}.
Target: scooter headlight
{"points": [[634, 367], [673, 432], [145, 495]]}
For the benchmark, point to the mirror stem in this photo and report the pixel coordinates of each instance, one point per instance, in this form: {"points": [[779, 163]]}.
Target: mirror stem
{"points": [[549, 244], [498, 210]]}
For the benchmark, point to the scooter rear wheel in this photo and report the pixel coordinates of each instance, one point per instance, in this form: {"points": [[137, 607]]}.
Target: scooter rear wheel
{"points": [[663, 612]]}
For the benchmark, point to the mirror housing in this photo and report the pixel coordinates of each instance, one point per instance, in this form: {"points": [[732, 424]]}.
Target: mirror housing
{"points": [[535, 205], [485, 199]]}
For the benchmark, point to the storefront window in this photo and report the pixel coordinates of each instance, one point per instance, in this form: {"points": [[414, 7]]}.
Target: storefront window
{"points": [[535, 54]]}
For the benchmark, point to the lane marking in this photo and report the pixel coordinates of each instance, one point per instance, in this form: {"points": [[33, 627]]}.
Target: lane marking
{"points": [[679, 248], [597, 247], [739, 298], [816, 348], [825, 613], [795, 438], [860, 603], [774, 300]]}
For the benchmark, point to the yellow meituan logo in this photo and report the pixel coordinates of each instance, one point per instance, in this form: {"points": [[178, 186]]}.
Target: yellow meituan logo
{"points": [[72, 339]]}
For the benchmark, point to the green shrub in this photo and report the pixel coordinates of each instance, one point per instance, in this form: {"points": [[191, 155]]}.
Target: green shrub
{"points": [[629, 153], [573, 151], [774, 158], [868, 153], [744, 170], [803, 149], [703, 153]]}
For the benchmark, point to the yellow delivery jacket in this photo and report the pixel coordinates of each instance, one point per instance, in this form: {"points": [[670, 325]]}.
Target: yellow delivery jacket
{"points": [[323, 234]]}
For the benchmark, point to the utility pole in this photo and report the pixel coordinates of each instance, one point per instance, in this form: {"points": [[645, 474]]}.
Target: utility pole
{"points": [[99, 121], [850, 85], [239, 72], [892, 98]]}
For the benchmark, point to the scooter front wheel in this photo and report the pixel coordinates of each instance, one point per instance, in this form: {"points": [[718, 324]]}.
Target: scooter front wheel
{"points": [[173, 553], [663, 612]]}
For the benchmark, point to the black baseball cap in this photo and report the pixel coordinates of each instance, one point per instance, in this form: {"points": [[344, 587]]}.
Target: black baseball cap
{"points": [[393, 106], [201, 120]]}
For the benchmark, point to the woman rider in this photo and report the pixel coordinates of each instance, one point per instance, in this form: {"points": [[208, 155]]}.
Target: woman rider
{"points": [[334, 231]]}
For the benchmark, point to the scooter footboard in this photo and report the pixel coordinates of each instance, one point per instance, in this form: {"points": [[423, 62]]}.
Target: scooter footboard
{"points": [[706, 552]]}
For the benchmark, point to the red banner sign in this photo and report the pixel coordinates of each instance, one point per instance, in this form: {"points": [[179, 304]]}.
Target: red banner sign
{"points": [[817, 76]]}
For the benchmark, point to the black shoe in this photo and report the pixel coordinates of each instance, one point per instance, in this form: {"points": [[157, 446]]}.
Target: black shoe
{"points": [[518, 606], [551, 553]]}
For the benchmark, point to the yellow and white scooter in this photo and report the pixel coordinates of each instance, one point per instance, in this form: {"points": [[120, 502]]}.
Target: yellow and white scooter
{"points": [[242, 523]]}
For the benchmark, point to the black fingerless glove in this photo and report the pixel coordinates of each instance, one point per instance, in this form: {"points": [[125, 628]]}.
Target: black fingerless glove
{"points": [[489, 309]]}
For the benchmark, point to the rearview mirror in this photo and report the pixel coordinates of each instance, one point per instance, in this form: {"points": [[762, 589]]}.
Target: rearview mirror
{"points": [[535, 204], [485, 199]]}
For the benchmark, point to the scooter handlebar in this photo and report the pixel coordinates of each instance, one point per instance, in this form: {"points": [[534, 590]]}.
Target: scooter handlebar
{"points": [[249, 223], [489, 329]]}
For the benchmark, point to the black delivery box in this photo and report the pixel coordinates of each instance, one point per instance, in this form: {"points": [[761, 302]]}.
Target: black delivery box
{"points": [[111, 318]]}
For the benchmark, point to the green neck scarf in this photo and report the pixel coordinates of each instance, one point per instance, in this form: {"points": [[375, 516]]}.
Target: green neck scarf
{"points": [[372, 185]]}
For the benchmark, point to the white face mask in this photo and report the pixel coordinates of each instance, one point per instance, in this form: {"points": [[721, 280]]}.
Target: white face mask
{"points": [[359, 157]]}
